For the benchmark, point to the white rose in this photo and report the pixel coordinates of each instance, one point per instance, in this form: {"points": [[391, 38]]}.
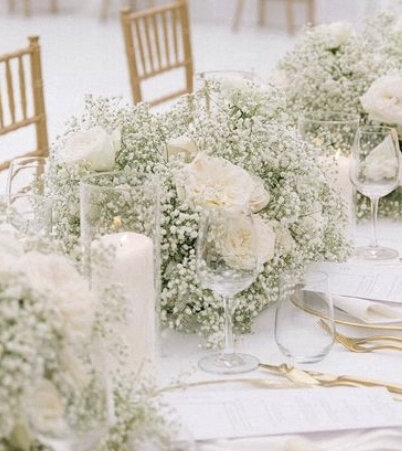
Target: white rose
{"points": [[335, 34], [383, 100], [239, 240], [95, 145], [232, 83], [279, 79], [181, 146], [55, 275], [381, 162], [215, 182], [47, 409]]}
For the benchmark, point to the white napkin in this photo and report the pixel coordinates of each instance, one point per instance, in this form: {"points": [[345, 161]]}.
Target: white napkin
{"points": [[368, 311]]}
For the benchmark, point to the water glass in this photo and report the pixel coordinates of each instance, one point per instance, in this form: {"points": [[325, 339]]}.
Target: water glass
{"points": [[297, 332]]}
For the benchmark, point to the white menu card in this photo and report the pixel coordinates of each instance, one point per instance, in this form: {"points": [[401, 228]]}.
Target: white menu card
{"points": [[215, 414]]}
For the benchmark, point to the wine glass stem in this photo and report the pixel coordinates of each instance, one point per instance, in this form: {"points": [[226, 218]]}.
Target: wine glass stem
{"points": [[227, 306], [374, 216]]}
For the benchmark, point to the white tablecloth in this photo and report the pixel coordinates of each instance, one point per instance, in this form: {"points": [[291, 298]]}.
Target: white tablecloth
{"points": [[182, 352]]}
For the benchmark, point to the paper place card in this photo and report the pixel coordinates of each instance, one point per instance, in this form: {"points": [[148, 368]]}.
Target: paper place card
{"points": [[210, 415], [365, 282]]}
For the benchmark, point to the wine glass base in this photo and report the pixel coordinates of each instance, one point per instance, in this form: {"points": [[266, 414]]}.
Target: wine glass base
{"points": [[228, 363], [376, 253]]}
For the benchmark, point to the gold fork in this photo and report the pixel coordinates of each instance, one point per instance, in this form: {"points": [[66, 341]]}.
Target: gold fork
{"points": [[361, 345]]}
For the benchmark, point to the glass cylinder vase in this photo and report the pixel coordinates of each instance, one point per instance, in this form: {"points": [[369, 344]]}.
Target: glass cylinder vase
{"points": [[120, 234]]}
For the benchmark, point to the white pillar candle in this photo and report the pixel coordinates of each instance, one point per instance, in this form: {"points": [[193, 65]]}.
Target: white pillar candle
{"points": [[346, 189], [133, 269]]}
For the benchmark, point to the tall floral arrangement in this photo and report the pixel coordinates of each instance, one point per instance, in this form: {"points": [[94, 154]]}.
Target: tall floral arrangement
{"points": [[48, 322], [335, 67], [220, 147]]}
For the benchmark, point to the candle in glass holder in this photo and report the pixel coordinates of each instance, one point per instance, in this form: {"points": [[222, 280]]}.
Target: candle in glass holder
{"points": [[133, 270], [346, 189]]}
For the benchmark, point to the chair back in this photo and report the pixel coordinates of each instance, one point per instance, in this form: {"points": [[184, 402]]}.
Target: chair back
{"points": [[157, 40], [22, 101]]}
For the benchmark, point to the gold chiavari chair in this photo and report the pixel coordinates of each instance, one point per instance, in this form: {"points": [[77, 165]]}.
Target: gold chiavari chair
{"points": [[22, 105], [27, 7], [290, 17], [157, 40]]}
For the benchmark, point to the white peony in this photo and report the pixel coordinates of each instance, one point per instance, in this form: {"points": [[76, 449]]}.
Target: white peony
{"points": [[47, 411], [95, 145], [55, 275], [383, 100], [335, 34], [230, 83], [181, 146], [240, 241], [215, 182]]}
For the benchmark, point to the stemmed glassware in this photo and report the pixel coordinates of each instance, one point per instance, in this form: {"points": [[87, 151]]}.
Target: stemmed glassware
{"points": [[26, 175], [227, 263], [375, 172]]}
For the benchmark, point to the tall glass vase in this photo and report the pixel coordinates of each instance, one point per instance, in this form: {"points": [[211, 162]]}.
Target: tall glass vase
{"points": [[120, 234]]}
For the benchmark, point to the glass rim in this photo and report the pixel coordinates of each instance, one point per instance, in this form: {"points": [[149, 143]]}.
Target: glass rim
{"points": [[251, 75], [371, 129], [86, 180], [228, 210], [41, 197], [318, 118]]}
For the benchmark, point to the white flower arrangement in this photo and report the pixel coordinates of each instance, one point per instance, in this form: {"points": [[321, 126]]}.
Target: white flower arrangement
{"points": [[48, 320], [245, 157], [335, 68]]}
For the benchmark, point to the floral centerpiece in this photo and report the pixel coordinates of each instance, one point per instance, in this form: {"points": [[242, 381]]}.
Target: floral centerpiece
{"points": [[48, 322], [216, 148], [337, 68]]}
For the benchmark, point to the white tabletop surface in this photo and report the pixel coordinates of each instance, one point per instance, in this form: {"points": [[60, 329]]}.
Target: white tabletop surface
{"points": [[180, 354]]}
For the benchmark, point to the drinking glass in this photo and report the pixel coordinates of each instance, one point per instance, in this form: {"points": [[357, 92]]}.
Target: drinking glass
{"points": [[31, 214], [297, 332], [74, 410], [375, 172], [333, 134], [227, 263], [120, 234], [26, 175]]}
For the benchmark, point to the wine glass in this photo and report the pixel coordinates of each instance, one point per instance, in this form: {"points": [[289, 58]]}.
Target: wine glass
{"points": [[26, 175], [72, 409], [375, 172], [227, 263], [297, 332]]}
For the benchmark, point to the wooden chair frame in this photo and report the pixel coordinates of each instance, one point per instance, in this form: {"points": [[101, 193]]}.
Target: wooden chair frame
{"points": [[144, 62], [289, 13], [38, 117], [27, 6]]}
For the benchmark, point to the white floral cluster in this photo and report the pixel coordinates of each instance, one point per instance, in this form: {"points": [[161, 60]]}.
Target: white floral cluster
{"points": [[218, 147], [48, 318], [337, 68]]}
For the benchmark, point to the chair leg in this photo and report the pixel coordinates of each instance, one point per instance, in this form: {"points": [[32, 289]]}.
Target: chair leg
{"points": [[27, 8], [54, 6], [261, 12], [105, 10], [311, 11], [290, 17], [11, 6], [238, 14]]}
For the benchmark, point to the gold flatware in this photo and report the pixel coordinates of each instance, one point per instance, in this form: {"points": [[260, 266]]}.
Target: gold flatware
{"points": [[356, 345], [327, 380]]}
